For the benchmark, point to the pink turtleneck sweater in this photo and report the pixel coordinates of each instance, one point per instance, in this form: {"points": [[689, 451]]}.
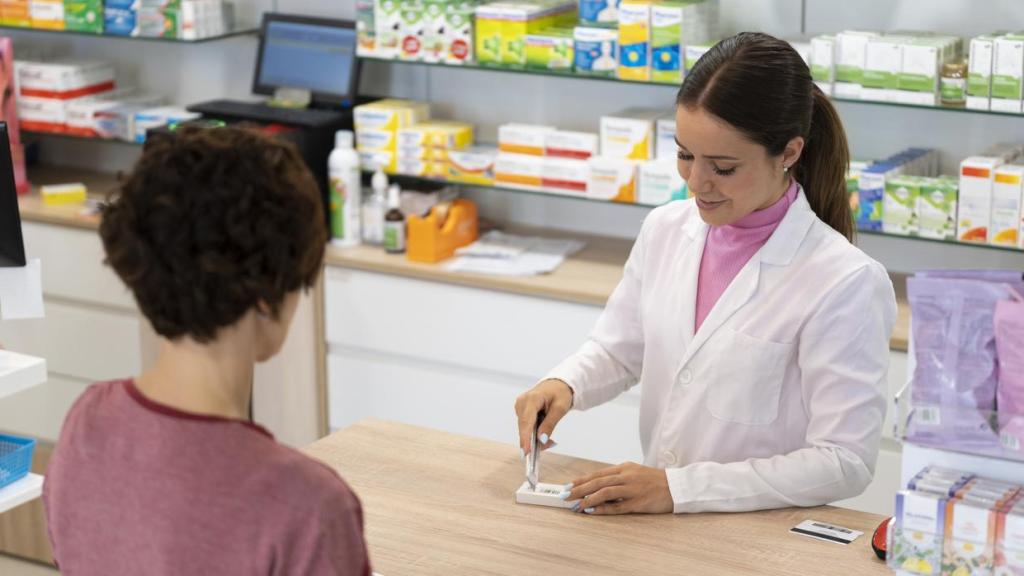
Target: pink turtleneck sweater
{"points": [[728, 248]]}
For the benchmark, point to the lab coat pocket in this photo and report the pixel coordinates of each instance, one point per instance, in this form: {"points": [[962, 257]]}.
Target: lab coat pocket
{"points": [[745, 379]]}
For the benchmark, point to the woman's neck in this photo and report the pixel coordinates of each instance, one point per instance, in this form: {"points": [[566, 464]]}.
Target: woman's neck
{"points": [[213, 379]]}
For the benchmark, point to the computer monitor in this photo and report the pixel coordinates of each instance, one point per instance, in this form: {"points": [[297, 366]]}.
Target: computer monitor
{"points": [[315, 54], [12, 249]]}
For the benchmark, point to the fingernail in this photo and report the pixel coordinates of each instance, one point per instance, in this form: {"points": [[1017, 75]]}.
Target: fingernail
{"points": [[588, 511], [564, 495], [567, 486], [576, 507], [522, 454], [544, 438]]}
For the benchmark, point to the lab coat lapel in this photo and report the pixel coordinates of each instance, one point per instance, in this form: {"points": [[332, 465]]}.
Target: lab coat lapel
{"points": [[689, 270]]}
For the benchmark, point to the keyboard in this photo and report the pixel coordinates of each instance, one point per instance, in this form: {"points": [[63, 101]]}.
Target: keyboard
{"points": [[257, 112]]}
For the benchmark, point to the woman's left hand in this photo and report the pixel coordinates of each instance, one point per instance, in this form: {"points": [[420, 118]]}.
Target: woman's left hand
{"points": [[624, 489]]}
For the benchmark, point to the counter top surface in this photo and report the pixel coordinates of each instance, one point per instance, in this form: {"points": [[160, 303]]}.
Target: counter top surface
{"points": [[588, 278], [438, 503]]}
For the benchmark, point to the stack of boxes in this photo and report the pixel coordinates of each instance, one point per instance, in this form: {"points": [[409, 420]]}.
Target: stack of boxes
{"points": [[377, 125], [47, 14], [642, 40], [991, 197], [868, 65], [83, 116], [628, 139], [543, 157], [424, 148], [16, 13], [950, 522], [875, 179], [183, 19], [47, 89], [83, 16]]}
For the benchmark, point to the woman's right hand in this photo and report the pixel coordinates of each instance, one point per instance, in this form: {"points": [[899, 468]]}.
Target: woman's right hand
{"points": [[554, 399]]}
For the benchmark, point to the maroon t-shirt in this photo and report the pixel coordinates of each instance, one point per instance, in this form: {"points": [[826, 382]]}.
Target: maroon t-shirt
{"points": [[135, 487]]}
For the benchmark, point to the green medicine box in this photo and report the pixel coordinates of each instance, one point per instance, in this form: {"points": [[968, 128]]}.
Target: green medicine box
{"points": [[83, 16]]}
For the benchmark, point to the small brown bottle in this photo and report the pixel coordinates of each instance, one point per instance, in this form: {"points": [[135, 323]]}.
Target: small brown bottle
{"points": [[394, 223]]}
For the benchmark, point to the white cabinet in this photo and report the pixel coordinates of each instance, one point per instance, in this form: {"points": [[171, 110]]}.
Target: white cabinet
{"points": [[455, 358], [91, 330]]}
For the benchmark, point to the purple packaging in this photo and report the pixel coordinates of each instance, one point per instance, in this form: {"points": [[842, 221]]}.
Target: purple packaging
{"points": [[954, 384], [1009, 329]]}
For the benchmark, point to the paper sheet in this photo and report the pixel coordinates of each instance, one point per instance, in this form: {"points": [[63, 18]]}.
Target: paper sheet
{"points": [[500, 254], [21, 292]]}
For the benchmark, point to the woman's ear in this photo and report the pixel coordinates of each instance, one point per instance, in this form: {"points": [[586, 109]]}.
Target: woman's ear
{"points": [[791, 154]]}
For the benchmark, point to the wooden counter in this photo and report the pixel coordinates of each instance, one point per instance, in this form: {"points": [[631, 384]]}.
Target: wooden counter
{"points": [[587, 278], [437, 503]]}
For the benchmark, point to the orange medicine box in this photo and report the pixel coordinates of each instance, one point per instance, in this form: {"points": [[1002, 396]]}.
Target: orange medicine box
{"points": [[435, 237]]}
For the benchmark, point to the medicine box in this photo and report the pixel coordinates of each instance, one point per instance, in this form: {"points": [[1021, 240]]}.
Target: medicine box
{"points": [[635, 40], [882, 66], [120, 18], [659, 182], [473, 165], [551, 49], [63, 79], [157, 117], [433, 32], [523, 138], [1010, 541], [969, 543], [83, 114], [916, 540], [599, 12], [1007, 192], [936, 208], [387, 20], [851, 57], [83, 16], [16, 13], [693, 53], [823, 55], [565, 174], [1007, 73], [518, 170], [457, 41], [596, 51], [974, 212], [412, 29], [47, 14], [979, 72], [390, 114], [502, 27], [436, 134], [567, 144], [366, 29], [376, 140], [629, 134], [387, 160], [665, 147], [612, 179], [871, 195], [899, 210], [666, 42]]}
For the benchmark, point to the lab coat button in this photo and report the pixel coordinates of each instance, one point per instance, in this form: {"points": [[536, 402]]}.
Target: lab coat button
{"points": [[668, 457], [685, 376]]}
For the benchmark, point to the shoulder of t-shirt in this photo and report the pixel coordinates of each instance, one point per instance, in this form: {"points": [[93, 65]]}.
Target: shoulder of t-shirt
{"points": [[96, 397], [314, 484]]}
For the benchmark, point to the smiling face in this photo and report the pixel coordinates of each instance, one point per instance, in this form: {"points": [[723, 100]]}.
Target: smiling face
{"points": [[728, 174]]}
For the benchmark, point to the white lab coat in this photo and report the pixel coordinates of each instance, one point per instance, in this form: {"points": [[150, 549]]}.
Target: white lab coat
{"points": [[778, 400]]}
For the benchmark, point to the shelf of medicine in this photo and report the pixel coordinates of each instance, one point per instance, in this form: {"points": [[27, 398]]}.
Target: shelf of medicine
{"points": [[570, 74], [65, 136], [945, 242], [214, 38], [25, 490]]}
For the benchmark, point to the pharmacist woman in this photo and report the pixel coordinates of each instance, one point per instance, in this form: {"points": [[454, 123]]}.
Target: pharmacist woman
{"points": [[758, 331]]}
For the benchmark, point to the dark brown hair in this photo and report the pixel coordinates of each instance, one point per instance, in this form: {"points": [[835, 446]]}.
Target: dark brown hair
{"points": [[761, 86], [210, 223]]}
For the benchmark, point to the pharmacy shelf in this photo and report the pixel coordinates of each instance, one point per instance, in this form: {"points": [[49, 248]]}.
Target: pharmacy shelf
{"points": [[530, 191], [570, 74], [977, 245], [233, 34], [76, 137], [25, 490]]}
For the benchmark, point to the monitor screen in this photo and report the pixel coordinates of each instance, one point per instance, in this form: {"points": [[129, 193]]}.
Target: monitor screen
{"points": [[313, 54], [12, 250]]}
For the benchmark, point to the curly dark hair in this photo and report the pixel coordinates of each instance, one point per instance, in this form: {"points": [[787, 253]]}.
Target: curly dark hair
{"points": [[210, 223]]}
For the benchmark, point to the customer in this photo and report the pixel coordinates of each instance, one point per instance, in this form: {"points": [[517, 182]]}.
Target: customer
{"points": [[215, 233]]}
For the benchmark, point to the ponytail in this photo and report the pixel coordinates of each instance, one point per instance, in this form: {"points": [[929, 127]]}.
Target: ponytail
{"points": [[822, 167], [762, 87]]}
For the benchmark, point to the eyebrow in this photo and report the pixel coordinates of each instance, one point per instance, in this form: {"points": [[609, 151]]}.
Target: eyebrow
{"points": [[719, 157]]}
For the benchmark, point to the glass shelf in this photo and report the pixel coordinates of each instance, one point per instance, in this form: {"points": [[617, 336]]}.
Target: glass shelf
{"points": [[63, 136], [226, 35], [944, 242], [570, 74]]}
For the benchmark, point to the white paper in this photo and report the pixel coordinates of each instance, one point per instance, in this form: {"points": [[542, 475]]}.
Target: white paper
{"points": [[500, 254], [21, 292]]}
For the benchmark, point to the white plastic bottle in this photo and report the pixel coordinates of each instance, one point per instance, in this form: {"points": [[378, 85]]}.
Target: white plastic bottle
{"points": [[346, 194], [375, 207]]}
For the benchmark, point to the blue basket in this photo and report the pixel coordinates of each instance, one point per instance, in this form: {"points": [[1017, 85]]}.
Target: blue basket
{"points": [[15, 458]]}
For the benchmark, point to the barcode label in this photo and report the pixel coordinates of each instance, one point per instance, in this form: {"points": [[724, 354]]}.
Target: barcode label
{"points": [[929, 415], [825, 531], [831, 527], [1010, 442]]}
